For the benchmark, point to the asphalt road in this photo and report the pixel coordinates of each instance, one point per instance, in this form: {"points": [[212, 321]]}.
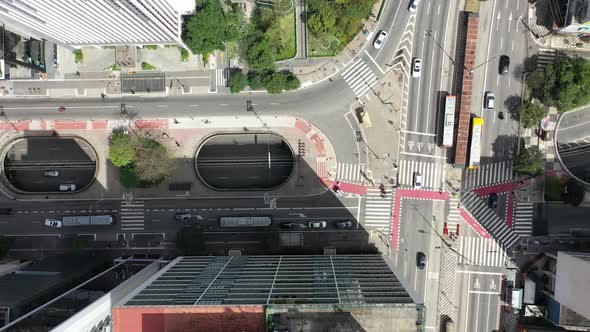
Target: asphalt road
{"points": [[478, 294]]}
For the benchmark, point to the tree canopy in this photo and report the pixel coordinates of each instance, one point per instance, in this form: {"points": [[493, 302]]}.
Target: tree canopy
{"points": [[567, 83], [530, 162], [237, 81], [531, 114], [121, 150], [153, 161]]}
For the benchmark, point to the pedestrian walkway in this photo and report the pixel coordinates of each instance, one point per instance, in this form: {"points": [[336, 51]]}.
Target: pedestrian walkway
{"points": [[475, 250], [545, 57], [132, 215], [359, 76], [352, 173], [454, 216], [431, 173], [488, 174], [378, 209], [446, 295], [523, 219]]}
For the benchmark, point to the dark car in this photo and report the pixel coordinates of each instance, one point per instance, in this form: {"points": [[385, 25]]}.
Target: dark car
{"points": [[183, 216], [344, 224], [287, 225], [493, 200], [420, 260], [504, 65]]}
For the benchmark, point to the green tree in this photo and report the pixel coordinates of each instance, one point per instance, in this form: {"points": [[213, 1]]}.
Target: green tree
{"points": [[567, 83], [275, 83], [291, 82], [234, 22], [531, 114], [258, 53], [237, 81], [254, 81], [190, 241], [530, 162], [153, 161], [573, 192], [321, 17], [122, 150], [535, 81], [205, 31]]}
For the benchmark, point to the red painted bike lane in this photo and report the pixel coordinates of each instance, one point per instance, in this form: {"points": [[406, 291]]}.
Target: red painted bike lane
{"points": [[412, 194]]}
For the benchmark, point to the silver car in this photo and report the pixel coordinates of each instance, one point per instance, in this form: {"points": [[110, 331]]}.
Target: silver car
{"points": [[51, 173], [317, 224]]}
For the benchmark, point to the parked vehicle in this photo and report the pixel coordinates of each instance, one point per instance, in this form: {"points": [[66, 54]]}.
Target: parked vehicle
{"points": [[183, 216], [504, 65], [380, 40], [67, 187], [80, 221], [51, 173], [317, 224], [413, 6], [287, 225], [416, 67], [245, 221], [420, 260], [489, 99], [344, 224]]}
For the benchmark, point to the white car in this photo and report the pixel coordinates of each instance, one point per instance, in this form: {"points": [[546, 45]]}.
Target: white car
{"points": [[51, 173], [53, 223], [380, 40], [413, 5], [489, 100], [416, 67], [317, 224], [417, 180]]}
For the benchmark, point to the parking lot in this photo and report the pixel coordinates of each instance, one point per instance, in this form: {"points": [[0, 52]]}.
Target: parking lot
{"points": [[49, 164]]}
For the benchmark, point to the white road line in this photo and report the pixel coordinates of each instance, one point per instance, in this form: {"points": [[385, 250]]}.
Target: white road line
{"points": [[485, 75], [428, 14], [478, 272], [423, 155], [418, 133], [419, 85], [374, 62], [430, 96]]}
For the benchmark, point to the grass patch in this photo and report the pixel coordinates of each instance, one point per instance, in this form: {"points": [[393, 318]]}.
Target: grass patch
{"points": [[79, 56], [184, 55], [151, 47], [147, 66], [115, 67], [325, 45], [472, 6], [280, 33]]}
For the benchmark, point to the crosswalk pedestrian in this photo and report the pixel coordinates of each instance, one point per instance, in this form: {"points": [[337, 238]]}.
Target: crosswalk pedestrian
{"points": [[488, 174], [475, 250], [523, 219], [359, 77], [352, 173], [488, 219], [132, 215], [378, 210], [546, 56], [454, 216], [432, 173]]}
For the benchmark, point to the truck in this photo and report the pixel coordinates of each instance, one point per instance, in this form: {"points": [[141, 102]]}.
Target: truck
{"points": [[245, 221], [80, 221]]}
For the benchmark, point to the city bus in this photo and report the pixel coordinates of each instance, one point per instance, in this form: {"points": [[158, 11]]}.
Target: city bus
{"points": [[475, 151], [245, 221], [449, 121]]}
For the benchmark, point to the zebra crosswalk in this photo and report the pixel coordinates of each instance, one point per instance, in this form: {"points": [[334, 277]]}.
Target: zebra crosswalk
{"points": [[352, 173], [432, 173], [220, 77], [454, 216], [378, 210], [474, 250], [488, 174], [132, 215], [546, 56], [359, 77], [523, 219]]}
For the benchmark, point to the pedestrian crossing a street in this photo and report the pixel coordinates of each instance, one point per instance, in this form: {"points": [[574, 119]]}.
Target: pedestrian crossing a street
{"points": [[378, 210], [546, 56], [488, 174], [352, 173], [454, 216], [474, 250], [359, 77], [432, 174], [132, 215], [523, 219]]}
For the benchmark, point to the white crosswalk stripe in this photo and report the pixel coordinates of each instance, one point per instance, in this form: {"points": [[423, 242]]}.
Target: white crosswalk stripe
{"points": [[523, 219], [454, 216], [481, 252], [359, 77], [546, 56], [488, 174], [132, 216], [352, 173], [220, 79], [378, 210], [432, 174]]}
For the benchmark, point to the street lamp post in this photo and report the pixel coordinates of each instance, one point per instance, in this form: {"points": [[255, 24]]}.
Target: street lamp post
{"points": [[3, 114]]}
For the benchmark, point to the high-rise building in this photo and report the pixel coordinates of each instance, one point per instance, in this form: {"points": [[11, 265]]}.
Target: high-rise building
{"points": [[577, 18], [77, 23]]}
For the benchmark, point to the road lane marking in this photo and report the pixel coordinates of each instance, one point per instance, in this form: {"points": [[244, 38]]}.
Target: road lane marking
{"points": [[478, 296], [483, 292], [423, 155], [501, 42], [467, 307], [374, 62], [194, 105], [419, 86], [478, 272], [497, 81], [162, 106], [512, 45], [430, 77], [418, 133], [485, 75], [438, 10], [428, 9]]}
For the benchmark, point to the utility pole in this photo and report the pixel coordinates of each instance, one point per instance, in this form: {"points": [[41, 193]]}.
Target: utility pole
{"points": [[3, 114]]}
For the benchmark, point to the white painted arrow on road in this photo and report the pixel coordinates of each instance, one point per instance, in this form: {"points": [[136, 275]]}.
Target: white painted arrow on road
{"points": [[519, 19]]}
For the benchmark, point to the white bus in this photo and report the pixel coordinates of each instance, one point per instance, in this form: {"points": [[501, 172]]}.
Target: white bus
{"points": [[245, 221], [449, 121], [475, 151]]}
